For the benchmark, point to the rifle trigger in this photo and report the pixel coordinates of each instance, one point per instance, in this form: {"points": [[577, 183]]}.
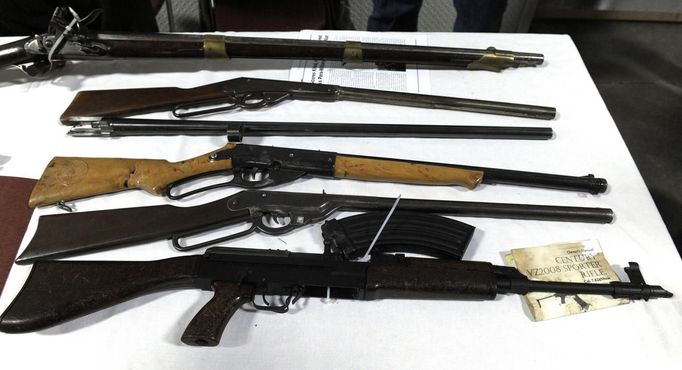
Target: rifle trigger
{"points": [[295, 293], [286, 223], [255, 177]]}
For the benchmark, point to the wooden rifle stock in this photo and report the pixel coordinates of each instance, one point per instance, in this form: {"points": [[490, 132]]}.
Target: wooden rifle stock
{"points": [[68, 178], [58, 291], [124, 102]]}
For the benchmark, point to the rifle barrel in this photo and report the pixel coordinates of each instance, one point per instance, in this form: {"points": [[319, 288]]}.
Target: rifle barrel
{"points": [[14, 53], [116, 127]]}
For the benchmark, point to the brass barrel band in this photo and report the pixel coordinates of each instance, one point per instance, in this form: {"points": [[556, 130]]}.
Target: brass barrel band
{"points": [[495, 60], [214, 47], [352, 52]]}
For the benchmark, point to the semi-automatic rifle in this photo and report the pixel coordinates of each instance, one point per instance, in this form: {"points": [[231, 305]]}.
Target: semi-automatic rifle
{"points": [[58, 291], [255, 166], [269, 212], [69, 39]]}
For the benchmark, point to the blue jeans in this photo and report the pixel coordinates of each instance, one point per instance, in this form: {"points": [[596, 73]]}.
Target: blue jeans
{"points": [[403, 15]]}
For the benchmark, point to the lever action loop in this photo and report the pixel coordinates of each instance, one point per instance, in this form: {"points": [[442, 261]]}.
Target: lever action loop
{"points": [[177, 239], [249, 100], [182, 195], [248, 178]]}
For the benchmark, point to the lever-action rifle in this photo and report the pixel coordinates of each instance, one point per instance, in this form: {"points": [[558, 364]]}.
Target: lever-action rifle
{"points": [[58, 291], [70, 40], [254, 166], [257, 93], [83, 232]]}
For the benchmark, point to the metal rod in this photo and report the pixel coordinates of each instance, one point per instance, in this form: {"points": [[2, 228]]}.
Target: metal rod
{"points": [[235, 129]]}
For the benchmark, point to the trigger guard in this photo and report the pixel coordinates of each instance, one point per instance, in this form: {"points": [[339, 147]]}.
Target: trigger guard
{"points": [[275, 177], [262, 227], [260, 103], [239, 181], [272, 98], [275, 230]]}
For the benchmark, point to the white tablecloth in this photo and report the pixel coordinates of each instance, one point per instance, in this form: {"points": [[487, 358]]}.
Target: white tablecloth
{"points": [[145, 332]]}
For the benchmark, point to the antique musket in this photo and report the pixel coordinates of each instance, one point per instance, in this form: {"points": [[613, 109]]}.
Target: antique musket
{"points": [[70, 40]]}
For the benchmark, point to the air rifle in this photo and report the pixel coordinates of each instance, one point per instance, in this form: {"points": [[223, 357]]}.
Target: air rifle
{"points": [[257, 93], [69, 39], [254, 166], [58, 291], [269, 212]]}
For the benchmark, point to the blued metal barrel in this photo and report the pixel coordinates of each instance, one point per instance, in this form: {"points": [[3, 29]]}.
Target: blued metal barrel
{"points": [[161, 127]]}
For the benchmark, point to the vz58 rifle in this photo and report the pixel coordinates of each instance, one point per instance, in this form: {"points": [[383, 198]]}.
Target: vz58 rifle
{"points": [[57, 291]]}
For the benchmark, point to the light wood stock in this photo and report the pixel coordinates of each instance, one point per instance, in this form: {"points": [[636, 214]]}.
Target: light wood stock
{"points": [[69, 178], [370, 169]]}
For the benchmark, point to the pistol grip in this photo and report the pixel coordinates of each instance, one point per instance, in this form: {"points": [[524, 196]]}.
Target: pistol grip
{"points": [[207, 326]]}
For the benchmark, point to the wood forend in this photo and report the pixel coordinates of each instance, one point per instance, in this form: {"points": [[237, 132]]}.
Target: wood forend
{"points": [[370, 169]]}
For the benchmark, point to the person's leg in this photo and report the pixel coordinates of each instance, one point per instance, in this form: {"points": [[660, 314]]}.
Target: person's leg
{"points": [[479, 15], [394, 15]]}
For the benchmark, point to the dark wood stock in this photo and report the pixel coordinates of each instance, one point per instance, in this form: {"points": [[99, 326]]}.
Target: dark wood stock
{"points": [[82, 232], [123, 102], [57, 291]]}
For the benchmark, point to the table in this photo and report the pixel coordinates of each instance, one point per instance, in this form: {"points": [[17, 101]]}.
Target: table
{"points": [[145, 332]]}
